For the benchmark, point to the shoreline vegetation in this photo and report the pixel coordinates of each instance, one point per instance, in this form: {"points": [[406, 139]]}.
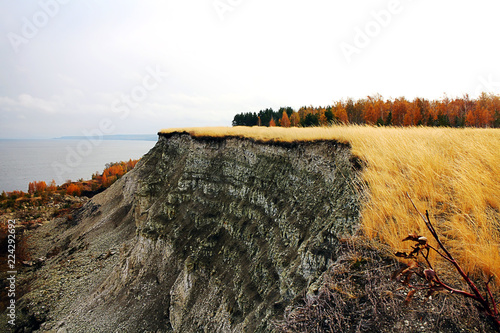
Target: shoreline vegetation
{"points": [[39, 191], [452, 172], [43, 202]]}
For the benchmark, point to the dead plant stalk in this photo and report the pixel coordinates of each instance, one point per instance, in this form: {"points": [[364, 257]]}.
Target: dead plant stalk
{"points": [[487, 303]]}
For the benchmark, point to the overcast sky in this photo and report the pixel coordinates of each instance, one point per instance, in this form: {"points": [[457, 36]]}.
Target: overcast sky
{"points": [[74, 67]]}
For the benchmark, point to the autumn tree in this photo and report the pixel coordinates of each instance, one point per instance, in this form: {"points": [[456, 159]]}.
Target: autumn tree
{"points": [[413, 115], [73, 189], [439, 111], [340, 113], [456, 113], [321, 114], [40, 186], [36, 187], [302, 112], [285, 121], [116, 170], [379, 106], [286, 109], [399, 107], [479, 116], [322, 120], [295, 119], [131, 164], [272, 123], [373, 111], [31, 188], [52, 187], [370, 114], [104, 180], [355, 110], [485, 110]]}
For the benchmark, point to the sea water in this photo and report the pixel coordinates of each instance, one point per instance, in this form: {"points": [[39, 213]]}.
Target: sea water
{"points": [[24, 161]]}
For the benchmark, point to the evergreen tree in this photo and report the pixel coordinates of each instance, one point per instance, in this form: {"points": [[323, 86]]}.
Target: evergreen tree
{"points": [[310, 120]]}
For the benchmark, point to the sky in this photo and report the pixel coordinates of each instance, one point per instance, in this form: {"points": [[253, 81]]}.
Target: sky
{"points": [[73, 67]]}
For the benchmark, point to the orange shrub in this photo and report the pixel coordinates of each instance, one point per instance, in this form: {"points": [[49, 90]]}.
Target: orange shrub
{"points": [[73, 189]]}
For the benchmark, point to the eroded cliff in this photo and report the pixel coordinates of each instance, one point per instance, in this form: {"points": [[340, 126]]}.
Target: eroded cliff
{"points": [[249, 225], [204, 234]]}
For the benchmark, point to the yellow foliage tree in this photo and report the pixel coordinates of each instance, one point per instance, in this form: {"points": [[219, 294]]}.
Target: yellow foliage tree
{"points": [[285, 121], [295, 119], [73, 189]]}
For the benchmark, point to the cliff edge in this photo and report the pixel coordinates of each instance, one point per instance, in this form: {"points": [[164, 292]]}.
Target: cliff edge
{"points": [[205, 234]]}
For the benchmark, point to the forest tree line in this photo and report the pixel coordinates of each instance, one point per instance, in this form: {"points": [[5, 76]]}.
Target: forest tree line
{"points": [[374, 110]]}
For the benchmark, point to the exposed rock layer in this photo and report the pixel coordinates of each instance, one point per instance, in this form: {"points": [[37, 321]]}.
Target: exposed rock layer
{"points": [[213, 234]]}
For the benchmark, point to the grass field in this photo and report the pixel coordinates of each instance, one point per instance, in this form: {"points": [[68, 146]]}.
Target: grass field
{"points": [[453, 173]]}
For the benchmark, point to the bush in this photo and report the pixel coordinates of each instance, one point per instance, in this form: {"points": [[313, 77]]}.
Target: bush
{"points": [[74, 190]]}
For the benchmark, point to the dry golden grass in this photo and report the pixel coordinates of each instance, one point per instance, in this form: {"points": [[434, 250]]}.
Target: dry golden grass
{"points": [[453, 173]]}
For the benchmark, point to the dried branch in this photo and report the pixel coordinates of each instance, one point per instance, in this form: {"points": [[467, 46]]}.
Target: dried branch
{"points": [[434, 283]]}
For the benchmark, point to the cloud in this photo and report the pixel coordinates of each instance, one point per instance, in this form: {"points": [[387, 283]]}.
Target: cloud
{"points": [[27, 102]]}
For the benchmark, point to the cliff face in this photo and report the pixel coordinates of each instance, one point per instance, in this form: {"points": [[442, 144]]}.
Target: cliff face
{"points": [[205, 235]]}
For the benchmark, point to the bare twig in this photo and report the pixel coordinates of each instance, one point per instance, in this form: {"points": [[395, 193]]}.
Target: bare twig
{"points": [[488, 304], [494, 303]]}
